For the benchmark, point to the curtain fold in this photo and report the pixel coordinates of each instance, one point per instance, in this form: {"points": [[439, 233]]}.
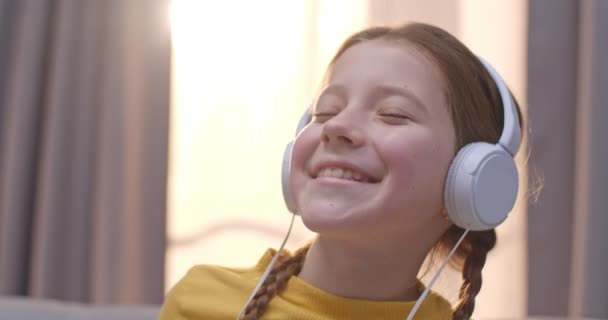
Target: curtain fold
{"points": [[589, 281], [567, 242], [84, 117]]}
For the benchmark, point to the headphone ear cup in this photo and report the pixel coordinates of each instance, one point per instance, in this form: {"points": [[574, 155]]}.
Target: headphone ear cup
{"points": [[285, 167], [481, 186]]}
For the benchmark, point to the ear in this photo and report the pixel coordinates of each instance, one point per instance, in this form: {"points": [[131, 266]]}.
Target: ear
{"points": [[444, 214]]}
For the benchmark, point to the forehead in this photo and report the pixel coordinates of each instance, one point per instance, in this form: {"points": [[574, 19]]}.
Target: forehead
{"points": [[375, 63]]}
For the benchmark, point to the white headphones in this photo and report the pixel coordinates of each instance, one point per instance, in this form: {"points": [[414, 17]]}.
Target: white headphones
{"points": [[482, 182]]}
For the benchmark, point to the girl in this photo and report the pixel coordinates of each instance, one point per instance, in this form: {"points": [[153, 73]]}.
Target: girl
{"points": [[368, 173]]}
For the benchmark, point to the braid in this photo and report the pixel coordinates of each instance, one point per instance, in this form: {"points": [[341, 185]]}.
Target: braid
{"points": [[275, 283], [480, 244]]}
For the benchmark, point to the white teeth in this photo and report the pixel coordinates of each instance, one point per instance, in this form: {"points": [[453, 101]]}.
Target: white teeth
{"points": [[337, 173], [342, 174], [348, 174]]}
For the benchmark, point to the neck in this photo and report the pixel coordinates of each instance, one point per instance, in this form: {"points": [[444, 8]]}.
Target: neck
{"points": [[363, 272]]}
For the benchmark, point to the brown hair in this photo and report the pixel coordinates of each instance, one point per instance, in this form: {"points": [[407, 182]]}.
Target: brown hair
{"points": [[477, 113]]}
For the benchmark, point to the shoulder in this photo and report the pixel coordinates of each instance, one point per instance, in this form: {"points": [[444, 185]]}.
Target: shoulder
{"points": [[435, 306], [211, 291], [201, 277]]}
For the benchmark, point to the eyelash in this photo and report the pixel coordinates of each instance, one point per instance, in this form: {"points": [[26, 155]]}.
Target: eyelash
{"points": [[391, 115], [395, 115], [322, 116]]}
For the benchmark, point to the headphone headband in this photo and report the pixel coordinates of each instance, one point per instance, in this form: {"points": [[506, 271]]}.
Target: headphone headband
{"points": [[510, 139]]}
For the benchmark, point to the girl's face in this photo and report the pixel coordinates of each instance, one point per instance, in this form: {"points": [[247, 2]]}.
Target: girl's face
{"points": [[375, 156]]}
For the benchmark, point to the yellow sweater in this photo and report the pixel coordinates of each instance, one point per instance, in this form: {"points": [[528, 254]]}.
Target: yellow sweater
{"points": [[213, 292]]}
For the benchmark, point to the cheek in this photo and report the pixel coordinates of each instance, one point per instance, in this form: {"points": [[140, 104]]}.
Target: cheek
{"points": [[401, 163], [418, 168], [303, 148]]}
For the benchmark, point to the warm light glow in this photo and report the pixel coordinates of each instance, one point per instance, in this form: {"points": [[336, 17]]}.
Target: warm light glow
{"points": [[243, 72]]}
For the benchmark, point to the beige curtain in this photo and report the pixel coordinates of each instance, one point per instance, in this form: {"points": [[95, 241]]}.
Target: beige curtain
{"points": [[84, 100], [568, 77]]}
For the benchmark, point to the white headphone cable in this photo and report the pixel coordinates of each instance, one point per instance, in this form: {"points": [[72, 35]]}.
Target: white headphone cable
{"points": [[428, 288], [412, 312], [268, 269]]}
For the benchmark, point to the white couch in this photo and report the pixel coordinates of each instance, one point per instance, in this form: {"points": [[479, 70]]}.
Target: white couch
{"points": [[21, 308]]}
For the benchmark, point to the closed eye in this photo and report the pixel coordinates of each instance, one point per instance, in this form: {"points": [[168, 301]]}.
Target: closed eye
{"points": [[391, 118], [322, 116], [395, 115]]}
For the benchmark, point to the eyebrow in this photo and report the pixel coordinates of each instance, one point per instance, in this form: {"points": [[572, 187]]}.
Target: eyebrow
{"points": [[334, 89], [389, 90], [405, 92]]}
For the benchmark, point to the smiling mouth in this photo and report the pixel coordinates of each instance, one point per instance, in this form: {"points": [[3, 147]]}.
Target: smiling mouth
{"points": [[345, 174]]}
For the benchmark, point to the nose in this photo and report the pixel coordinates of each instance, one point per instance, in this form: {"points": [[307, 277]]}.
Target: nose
{"points": [[343, 130]]}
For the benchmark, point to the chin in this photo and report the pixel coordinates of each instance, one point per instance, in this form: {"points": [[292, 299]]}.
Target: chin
{"points": [[331, 219]]}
